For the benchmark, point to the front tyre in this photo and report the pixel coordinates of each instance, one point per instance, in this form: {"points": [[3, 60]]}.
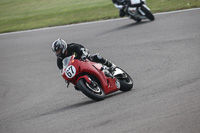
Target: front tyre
{"points": [[148, 13], [93, 90]]}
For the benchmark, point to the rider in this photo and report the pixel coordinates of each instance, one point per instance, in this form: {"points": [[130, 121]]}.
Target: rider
{"points": [[62, 50], [120, 4]]}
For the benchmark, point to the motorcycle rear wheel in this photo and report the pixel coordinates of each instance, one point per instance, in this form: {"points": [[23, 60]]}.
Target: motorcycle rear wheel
{"points": [[94, 92], [148, 13], [126, 84]]}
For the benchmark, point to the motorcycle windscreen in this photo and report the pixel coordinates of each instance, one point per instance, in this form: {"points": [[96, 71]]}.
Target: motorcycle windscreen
{"points": [[66, 61]]}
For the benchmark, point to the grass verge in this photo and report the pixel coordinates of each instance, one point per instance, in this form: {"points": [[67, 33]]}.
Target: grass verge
{"points": [[16, 15]]}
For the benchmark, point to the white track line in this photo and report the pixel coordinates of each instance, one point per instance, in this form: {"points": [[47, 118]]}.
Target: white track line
{"points": [[102, 21]]}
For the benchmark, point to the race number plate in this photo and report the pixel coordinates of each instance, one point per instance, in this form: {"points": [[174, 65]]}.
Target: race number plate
{"points": [[135, 2], [70, 71]]}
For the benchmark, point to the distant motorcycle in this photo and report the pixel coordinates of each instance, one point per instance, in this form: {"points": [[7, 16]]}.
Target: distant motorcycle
{"points": [[93, 79], [138, 10]]}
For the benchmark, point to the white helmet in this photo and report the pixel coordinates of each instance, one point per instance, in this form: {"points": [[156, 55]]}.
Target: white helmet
{"points": [[59, 46]]}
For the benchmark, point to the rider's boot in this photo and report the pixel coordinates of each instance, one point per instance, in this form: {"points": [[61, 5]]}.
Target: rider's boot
{"points": [[99, 59]]}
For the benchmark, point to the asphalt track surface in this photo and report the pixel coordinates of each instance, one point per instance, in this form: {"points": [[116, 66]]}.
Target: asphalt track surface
{"points": [[163, 58]]}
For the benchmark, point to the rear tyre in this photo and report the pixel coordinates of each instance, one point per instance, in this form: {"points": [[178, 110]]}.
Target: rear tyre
{"points": [[93, 91], [148, 13], [126, 82]]}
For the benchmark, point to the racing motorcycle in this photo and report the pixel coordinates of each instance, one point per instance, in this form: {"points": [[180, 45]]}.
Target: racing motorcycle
{"points": [[94, 79], [138, 10]]}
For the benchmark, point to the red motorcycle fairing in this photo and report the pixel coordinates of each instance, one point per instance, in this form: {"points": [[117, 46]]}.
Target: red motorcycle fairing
{"points": [[84, 77], [76, 69]]}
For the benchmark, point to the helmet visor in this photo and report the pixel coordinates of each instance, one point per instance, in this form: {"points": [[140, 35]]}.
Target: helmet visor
{"points": [[58, 52]]}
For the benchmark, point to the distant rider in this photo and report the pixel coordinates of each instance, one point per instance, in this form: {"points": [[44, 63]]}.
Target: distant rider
{"points": [[120, 4], [62, 50]]}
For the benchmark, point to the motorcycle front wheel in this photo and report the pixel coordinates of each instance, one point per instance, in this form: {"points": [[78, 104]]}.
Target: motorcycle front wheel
{"points": [[93, 90], [148, 13]]}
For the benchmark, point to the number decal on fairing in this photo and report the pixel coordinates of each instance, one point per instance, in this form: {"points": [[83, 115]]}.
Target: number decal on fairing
{"points": [[135, 2], [70, 71]]}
